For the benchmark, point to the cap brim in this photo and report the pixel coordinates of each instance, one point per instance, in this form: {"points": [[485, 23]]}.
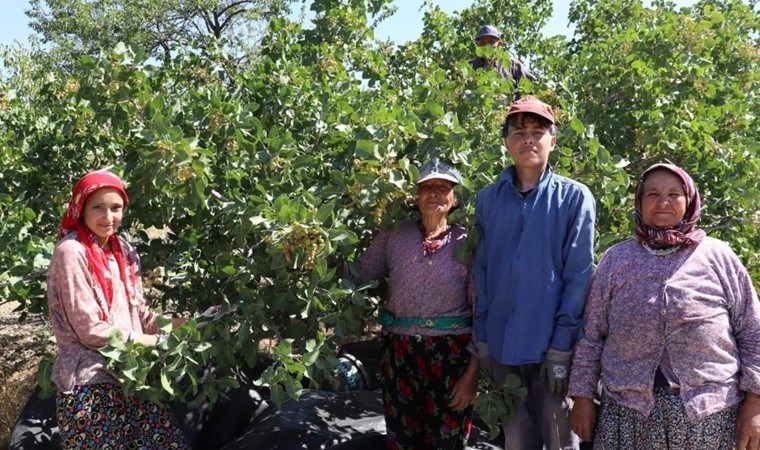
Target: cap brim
{"points": [[438, 176], [537, 111]]}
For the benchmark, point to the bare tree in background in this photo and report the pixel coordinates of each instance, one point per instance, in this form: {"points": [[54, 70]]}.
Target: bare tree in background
{"points": [[72, 28]]}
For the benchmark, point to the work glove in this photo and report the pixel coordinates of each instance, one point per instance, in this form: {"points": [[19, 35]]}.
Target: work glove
{"points": [[555, 371]]}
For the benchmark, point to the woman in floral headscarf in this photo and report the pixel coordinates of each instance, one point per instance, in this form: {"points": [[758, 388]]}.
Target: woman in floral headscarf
{"points": [[94, 287], [672, 331]]}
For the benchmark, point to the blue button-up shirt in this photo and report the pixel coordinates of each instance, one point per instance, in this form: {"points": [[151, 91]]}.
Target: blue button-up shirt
{"points": [[533, 266]]}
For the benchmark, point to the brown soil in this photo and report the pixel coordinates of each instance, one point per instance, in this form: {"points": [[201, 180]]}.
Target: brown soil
{"points": [[22, 346]]}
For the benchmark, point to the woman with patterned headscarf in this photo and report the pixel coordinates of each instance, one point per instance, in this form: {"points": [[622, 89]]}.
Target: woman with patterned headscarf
{"points": [[93, 288], [672, 331]]}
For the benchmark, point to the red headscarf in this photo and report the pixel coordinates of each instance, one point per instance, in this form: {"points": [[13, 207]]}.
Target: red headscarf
{"points": [[685, 233], [74, 221]]}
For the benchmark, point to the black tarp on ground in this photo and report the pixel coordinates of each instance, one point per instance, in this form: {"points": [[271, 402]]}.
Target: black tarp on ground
{"points": [[346, 420], [206, 427], [36, 428], [350, 420]]}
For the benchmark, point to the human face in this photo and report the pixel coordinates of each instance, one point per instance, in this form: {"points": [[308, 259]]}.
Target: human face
{"points": [[435, 197], [490, 41], [102, 213], [529, 143], [663, 200]]}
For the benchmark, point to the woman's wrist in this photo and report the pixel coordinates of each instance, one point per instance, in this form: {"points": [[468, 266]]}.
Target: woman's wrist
{"points": [[151, 340], [582, 400]]}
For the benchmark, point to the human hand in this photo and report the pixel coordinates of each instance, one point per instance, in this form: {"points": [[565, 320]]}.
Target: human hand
{"points": [[556, 371], [583, 418], [748, 423], [464, 392]]}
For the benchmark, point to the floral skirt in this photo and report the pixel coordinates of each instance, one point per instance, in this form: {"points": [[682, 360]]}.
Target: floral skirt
{"points": [[100, 416], [419, 373], [666, 428]]}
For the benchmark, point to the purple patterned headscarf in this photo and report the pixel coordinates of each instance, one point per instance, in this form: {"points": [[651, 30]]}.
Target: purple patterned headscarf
{"points": [[686, 232]]}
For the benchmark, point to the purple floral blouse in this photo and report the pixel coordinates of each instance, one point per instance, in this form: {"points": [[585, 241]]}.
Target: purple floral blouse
{"points": [[77, 310], [697, 303], [418, 285]]}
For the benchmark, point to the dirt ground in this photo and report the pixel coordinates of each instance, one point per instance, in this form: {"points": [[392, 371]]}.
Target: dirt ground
{"points": [[22, 346]]}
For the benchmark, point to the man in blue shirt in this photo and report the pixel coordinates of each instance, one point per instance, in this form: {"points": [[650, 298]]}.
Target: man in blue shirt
{"points": [[532, 270]]}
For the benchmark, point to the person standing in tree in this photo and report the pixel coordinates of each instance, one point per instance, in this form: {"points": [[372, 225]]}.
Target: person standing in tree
{"points": [[489, 36]]}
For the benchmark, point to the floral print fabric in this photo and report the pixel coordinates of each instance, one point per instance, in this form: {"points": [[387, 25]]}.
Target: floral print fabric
{"points": [[666, 428], [419, 373], [101, 417]]}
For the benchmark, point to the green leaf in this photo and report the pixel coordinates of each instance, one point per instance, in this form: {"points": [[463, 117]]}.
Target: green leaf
{"points": [[365, 149], [576, 125], [166, 384], [342, 237], [44, 381], [203, 346]]}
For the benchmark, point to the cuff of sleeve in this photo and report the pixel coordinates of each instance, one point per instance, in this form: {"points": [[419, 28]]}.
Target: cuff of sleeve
{"points": [[581, 391], [749, 383], [563, 339]]}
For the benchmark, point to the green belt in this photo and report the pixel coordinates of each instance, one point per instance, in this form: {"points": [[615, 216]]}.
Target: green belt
{"points": [[387, 319]]}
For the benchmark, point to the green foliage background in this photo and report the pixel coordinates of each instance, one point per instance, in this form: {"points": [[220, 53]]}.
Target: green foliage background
{"points": [[261, 179]]}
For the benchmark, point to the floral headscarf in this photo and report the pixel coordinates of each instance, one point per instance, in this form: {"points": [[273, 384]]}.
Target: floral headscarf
{"points": [[685, 233], [96, 257]]}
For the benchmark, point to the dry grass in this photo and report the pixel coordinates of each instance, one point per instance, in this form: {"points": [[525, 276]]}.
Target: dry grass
{"points": [[23, 346]]}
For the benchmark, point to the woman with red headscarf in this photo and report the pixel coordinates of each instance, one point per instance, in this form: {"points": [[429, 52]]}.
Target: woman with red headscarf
{"points": [[94, 287], [672, 331]]}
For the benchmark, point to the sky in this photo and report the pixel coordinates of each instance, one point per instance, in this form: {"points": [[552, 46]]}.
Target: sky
{"points": [[406, 24], [403, 26]]}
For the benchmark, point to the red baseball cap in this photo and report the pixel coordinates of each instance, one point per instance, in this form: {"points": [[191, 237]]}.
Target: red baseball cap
{"points": [[531, 104]]}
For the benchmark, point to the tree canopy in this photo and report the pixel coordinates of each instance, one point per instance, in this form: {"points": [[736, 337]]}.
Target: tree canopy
{"points": [[84, 27], [251, 185]]}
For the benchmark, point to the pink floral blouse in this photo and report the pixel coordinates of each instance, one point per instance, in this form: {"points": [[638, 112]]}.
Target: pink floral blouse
{"points": [[82, 322]]}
